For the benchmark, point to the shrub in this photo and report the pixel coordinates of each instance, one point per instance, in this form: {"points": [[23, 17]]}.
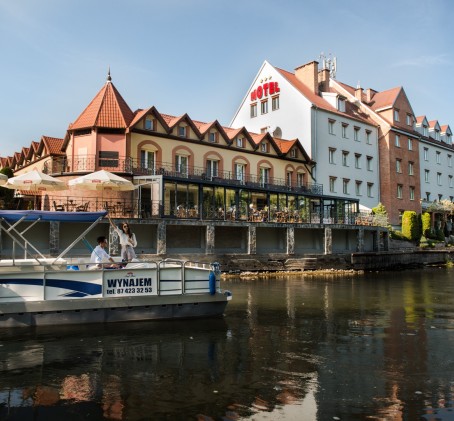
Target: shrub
{"points": [[425, 222], [410, 228]]}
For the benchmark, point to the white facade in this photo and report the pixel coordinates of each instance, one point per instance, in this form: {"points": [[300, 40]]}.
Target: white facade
{"points": [[344, 148], [436, 163]]}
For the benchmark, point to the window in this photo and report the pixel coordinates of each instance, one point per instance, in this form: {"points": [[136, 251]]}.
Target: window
{"points": [[449, 160], [409, 120], [264, 107], [368, 137], [181, 164], [147, 159], [437, 134], [300, 179], [289, 177], [440, 196], [450, 181], [369, 163], [344, 130], [293, 153], [357, 160], [253, 110], [410, 144], [426, 154], [358, 187], [182, 131], [240, 172], [331, 126], [108, 159], [370, 187], [275, 103], [439, 178], [332, 184], [399, 191], [341, 104], [410, 168], [212, 168], [213, 137], [149, 124], [356, 133], [426, 175], [396, 115], [428, 196], [264, 147], [264, 176], [345, 158], [398, 165], [345, 182], [438, 157], [412, 193], [397, 141], [425, 131], [240, 142], [448, 139], [331, 155]]}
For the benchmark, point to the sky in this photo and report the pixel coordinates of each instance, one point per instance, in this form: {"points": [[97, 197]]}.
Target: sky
{"points": [[200, 56]]}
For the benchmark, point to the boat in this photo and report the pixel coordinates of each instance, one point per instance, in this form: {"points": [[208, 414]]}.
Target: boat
{"points": [[37, 290]]}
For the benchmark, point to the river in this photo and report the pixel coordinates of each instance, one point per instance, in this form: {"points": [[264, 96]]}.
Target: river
{"points": [[338, 347]]}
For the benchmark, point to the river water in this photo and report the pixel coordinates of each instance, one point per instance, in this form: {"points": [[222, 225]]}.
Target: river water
{"points": [[339, 347]]}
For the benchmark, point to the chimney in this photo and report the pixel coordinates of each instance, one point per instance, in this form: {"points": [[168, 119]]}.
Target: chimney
{"points": [[307, 74], [370, 94], [359, 93], [323, 80]]}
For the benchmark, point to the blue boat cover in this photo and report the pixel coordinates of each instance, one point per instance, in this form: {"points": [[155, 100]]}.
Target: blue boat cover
{"points": [[34, 215]]}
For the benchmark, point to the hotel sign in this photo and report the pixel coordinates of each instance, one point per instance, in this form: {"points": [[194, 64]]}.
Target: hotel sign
{"points": [[269, 88]]}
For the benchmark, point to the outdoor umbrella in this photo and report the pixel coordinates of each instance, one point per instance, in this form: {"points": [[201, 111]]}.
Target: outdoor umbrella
{"points": [[35, 181], [101, 180]]}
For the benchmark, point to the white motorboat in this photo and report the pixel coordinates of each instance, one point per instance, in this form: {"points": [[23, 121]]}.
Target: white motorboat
{"points": [[37, 290]]}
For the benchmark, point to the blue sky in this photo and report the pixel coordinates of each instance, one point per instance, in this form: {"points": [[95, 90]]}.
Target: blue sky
{"points": [[200, 56]]}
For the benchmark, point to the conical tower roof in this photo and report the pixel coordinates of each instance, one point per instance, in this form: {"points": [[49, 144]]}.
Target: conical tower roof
{"points": [[107, 109]]}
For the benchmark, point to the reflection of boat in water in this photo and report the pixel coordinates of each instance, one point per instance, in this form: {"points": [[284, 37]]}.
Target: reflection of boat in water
{"points": [[102, 370], [42, 291]]}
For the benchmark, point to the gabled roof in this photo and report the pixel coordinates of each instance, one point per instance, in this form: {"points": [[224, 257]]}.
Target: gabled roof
{"points": [[50, 146], [141, 114], [204, 128], [421, 119], [385, 99], [433, 124], [108, 109], [173, 121]]}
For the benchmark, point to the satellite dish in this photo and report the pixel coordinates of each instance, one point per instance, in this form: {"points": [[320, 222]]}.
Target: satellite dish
{"points": [[277, 132]]}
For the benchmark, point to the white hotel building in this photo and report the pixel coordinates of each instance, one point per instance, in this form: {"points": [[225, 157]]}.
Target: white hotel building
{"points": [[335, 133]]}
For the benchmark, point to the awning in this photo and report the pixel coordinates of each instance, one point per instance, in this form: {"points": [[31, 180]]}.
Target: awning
{"points": [[35, 215]]}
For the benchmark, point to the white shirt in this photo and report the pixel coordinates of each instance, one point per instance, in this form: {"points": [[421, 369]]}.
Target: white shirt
{"points": [[125, 240], [99, 255]]}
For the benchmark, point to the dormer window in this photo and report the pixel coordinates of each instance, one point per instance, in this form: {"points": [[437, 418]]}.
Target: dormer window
{"points": [[437, 134], [149, 124], [212, 137], [182, 131], [264, 147], [240, 142], [293, 153], [409, 120], [341, 104], [396, 115], [425, 131]]}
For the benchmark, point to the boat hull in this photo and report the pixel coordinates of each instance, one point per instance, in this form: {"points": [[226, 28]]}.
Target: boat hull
{"points": [[31, 295]]}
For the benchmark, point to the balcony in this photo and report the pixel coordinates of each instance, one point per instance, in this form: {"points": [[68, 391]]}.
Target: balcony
{"points": [[83, 164]]}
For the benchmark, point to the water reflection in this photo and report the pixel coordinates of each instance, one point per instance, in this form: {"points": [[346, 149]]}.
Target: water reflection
{"points": [[341, 347]]}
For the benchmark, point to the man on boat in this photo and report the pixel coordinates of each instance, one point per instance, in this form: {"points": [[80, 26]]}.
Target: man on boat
{"points": [[100, 256]]}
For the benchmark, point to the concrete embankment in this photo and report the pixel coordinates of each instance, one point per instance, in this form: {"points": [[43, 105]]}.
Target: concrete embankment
{"points": [[371, 261]]}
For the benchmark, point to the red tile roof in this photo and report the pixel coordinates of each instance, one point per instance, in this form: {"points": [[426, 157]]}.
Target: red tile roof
{"points": [[107, 109]]}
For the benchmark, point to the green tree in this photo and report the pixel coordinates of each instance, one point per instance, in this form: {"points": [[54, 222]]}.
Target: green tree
{"points": [[410, 229]]}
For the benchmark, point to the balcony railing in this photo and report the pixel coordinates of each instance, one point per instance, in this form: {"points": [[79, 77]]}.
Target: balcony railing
{"points": [[168, 170]]}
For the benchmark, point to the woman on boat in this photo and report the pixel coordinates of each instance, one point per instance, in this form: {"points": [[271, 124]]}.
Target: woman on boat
{"points": [[127, 241]]}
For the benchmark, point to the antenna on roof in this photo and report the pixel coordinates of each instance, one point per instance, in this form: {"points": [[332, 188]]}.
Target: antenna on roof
{"points": [[109, 79], [329, 63]]}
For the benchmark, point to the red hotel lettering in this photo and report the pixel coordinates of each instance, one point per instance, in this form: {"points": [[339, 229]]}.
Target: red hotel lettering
{"points": [[270, 88]]}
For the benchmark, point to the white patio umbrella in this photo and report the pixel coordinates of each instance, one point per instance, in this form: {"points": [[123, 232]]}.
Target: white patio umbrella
{"points": [[35, 181], [101, 180], [3, 179]]}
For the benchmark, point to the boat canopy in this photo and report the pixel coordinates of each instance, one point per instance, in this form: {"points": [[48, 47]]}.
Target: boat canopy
{"points": [[37, 215]]}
